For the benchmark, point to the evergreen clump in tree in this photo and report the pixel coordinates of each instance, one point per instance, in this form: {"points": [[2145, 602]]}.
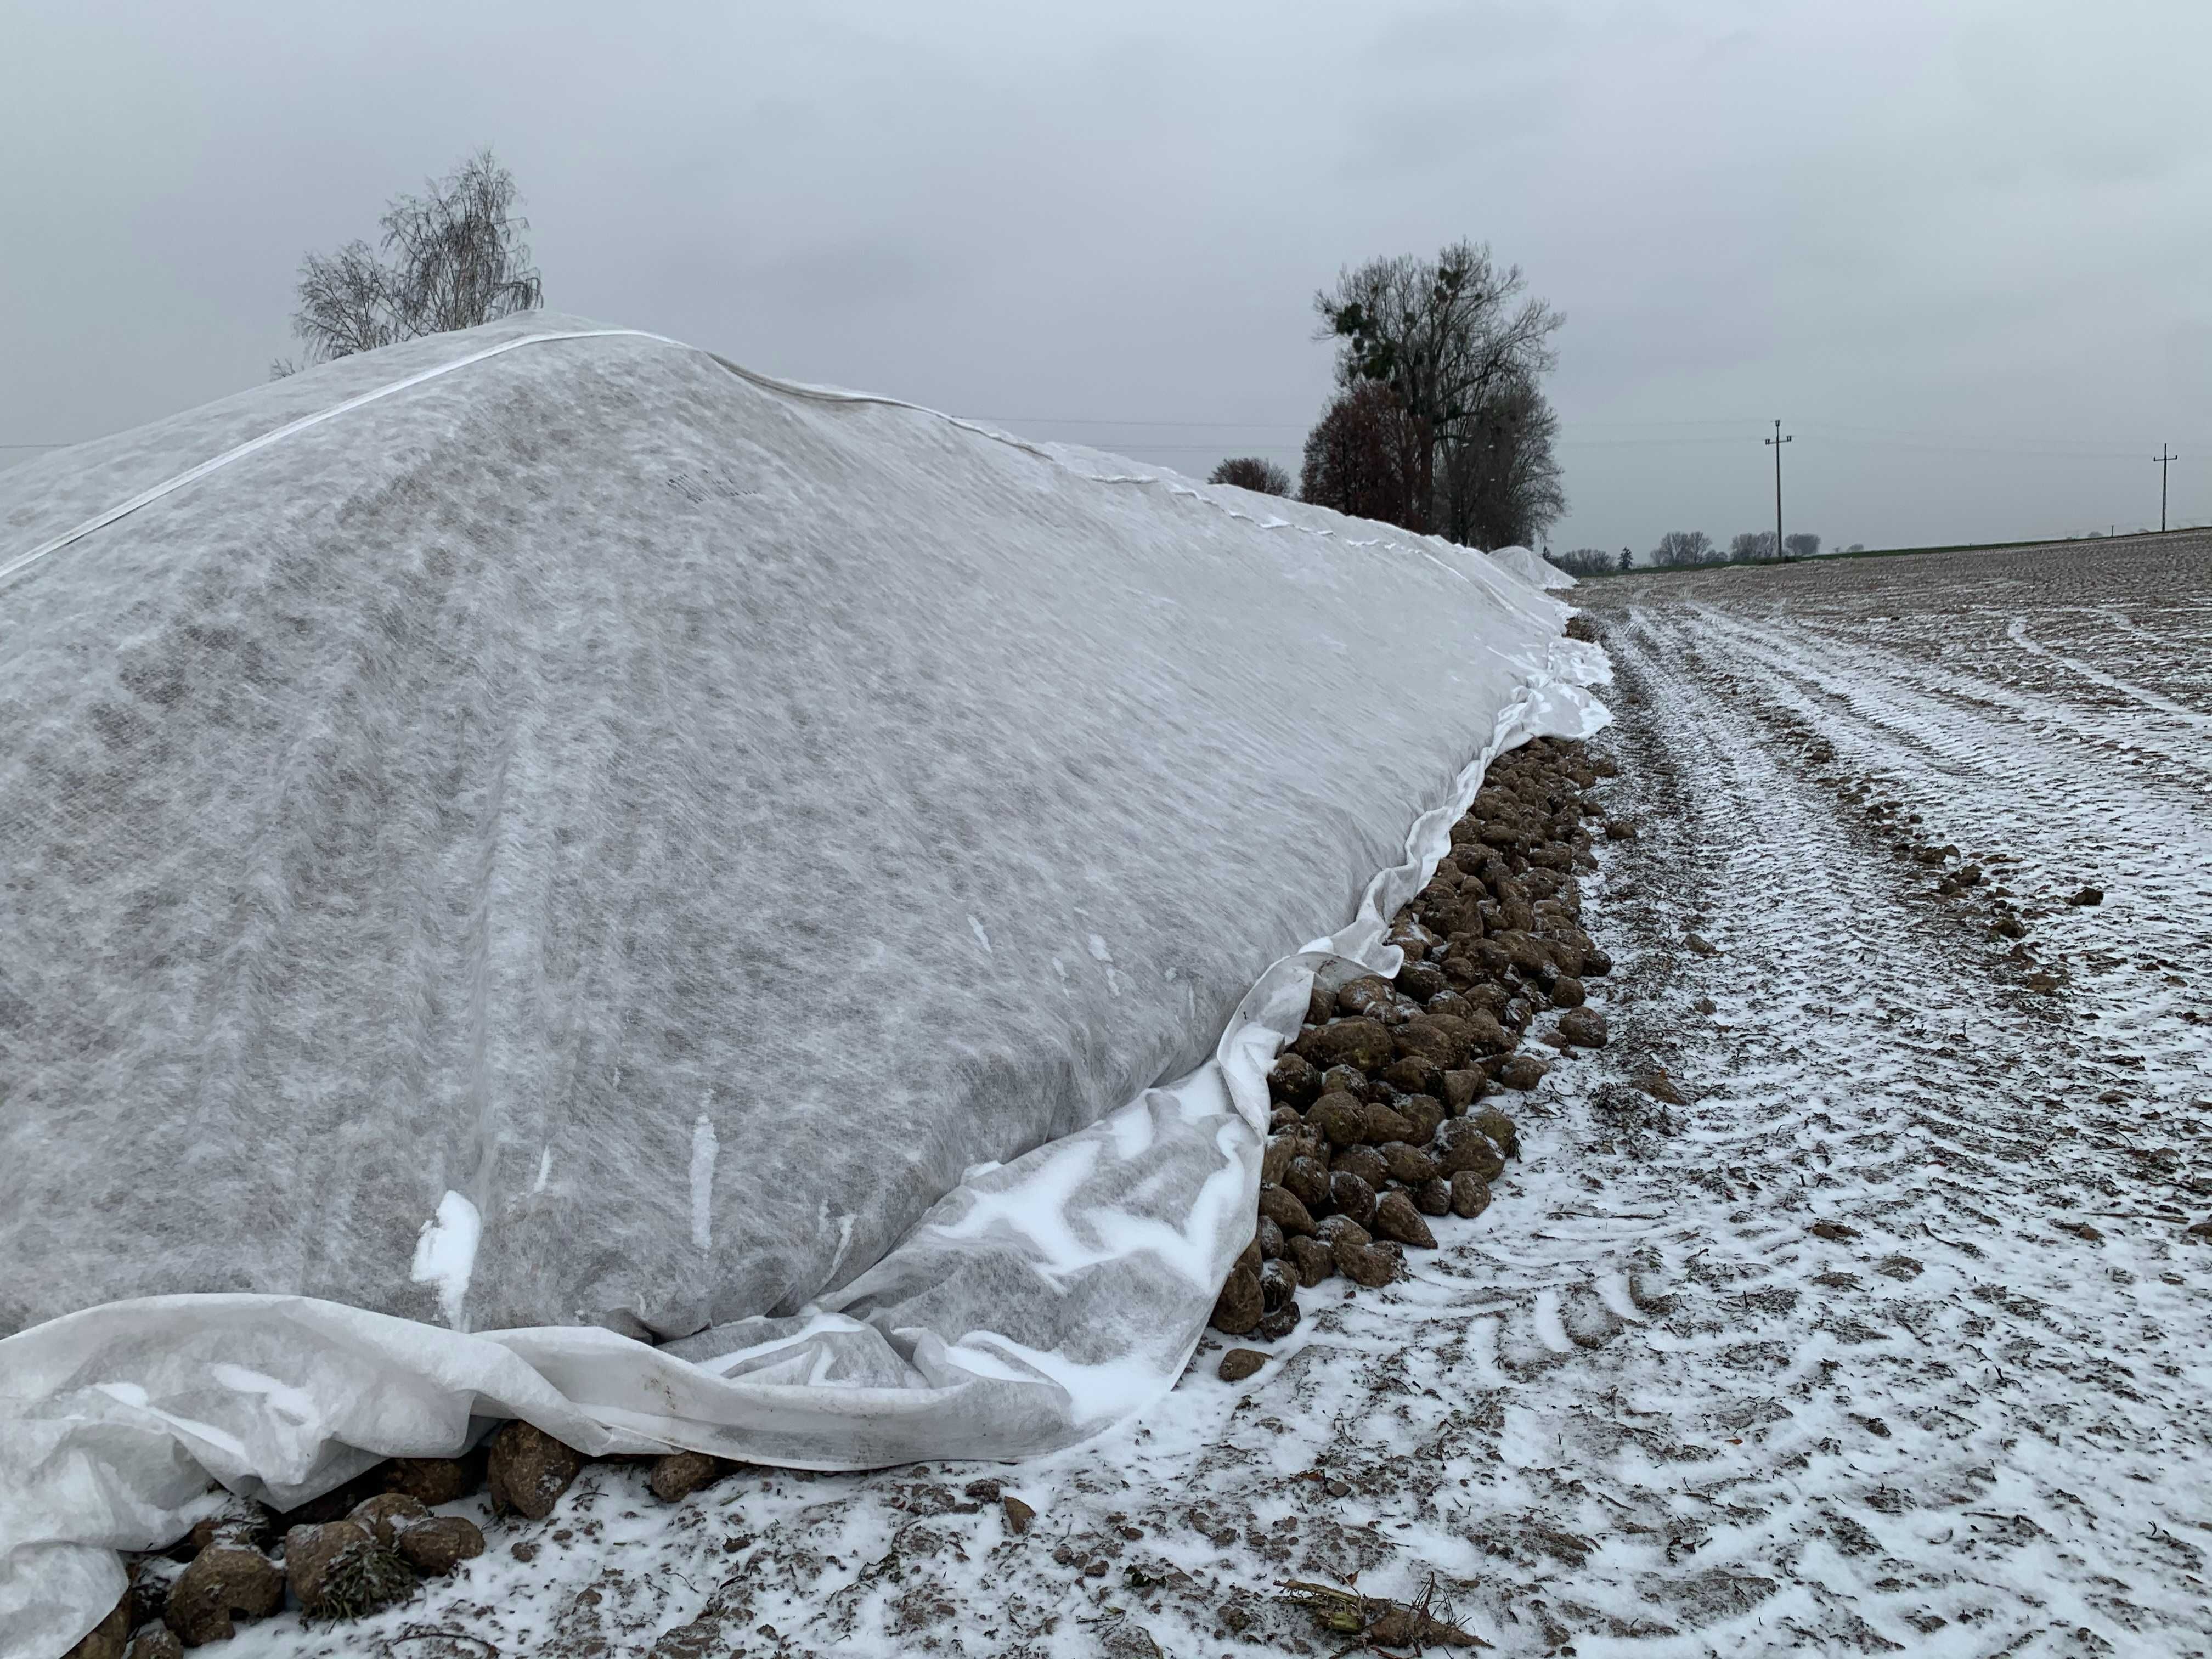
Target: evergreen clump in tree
{"points": [[452, 258]]}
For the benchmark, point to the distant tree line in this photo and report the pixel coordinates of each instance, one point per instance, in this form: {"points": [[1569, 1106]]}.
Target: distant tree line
{"points": [[1439, 422], [1587, 561], [1679, 549]]}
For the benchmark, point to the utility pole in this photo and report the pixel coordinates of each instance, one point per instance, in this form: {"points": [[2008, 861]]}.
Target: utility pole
{"points": [[1775, 443], [2163, 458]]}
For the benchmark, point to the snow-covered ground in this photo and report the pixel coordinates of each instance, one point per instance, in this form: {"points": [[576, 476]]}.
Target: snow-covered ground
{"points": [[1889, 1337]]}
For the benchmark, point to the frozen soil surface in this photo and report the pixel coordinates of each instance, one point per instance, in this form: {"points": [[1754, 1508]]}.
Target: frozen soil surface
{"points": [[1888, 1335]]}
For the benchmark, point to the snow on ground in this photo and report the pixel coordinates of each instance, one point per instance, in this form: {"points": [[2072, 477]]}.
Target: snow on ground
{"points": [[1889, 1338]]}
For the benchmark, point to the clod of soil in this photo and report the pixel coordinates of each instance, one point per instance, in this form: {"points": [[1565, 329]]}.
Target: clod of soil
{"points": [[2086, 895]]}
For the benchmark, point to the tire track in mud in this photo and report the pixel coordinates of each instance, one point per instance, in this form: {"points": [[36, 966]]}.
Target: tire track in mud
{"points": [[2131, 1019], [1865, 1085]]}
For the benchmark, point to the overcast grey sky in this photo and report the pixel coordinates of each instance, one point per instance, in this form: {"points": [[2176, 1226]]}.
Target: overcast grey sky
{"points": [[1964, 250]]}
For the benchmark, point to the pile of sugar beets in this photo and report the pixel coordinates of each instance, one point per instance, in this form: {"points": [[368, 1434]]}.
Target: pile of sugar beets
{"points": [[1381, 1108], [350, 1551]]}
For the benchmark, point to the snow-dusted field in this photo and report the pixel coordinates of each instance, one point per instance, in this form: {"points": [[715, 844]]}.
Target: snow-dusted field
{"points": [[1890, 1337]]}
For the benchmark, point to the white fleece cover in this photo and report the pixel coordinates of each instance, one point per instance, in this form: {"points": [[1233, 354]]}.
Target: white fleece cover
{"points": [[1534, 569], [546, 875]]}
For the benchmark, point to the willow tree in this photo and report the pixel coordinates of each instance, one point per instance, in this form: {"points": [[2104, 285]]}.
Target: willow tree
{"points": [[451, 257]]}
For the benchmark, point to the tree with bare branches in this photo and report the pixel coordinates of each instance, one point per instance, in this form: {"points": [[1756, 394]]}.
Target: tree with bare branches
{"points": [[1446, 335], [1360, 455], [449, 259], [1678, 548], [1498, 484], [1252, 472]]}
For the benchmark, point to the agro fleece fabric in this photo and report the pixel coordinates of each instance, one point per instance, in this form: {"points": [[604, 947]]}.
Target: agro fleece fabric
{"points": [[543, 874], [1524, 562]]}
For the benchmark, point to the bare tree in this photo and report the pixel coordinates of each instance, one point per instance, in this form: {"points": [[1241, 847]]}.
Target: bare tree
{"points": [[1360, 455], [1583, 561], [1443, 335], [1678, 548], [1751, 545], [1802, 544], [1499, 483], [449, 259], [1251, 472]]}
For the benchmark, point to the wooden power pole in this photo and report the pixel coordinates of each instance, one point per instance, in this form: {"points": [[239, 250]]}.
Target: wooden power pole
{"points": [[2163, 460], [1775, 443]]}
